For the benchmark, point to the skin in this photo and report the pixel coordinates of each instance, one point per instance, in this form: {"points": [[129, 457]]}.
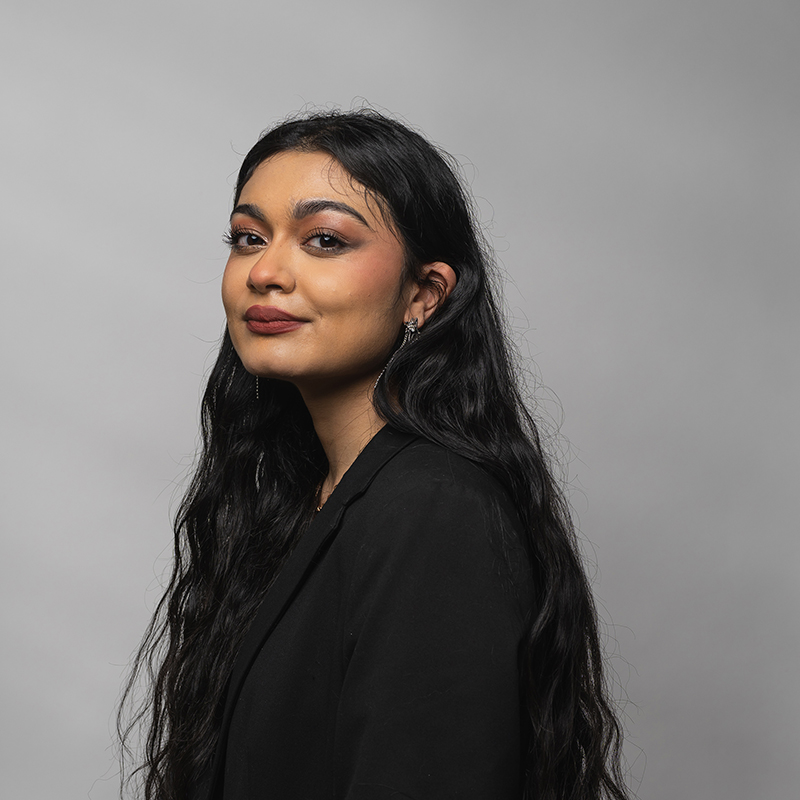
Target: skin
{"points": [[337, 267]]}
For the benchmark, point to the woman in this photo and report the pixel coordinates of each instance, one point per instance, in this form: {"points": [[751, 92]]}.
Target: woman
{"points": [[376, 590]]}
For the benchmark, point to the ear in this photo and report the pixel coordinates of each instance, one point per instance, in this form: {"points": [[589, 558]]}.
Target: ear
{"points": [[437, 281]]}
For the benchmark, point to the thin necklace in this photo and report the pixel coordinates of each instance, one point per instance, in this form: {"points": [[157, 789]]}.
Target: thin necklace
{"points": [[319, 495]]}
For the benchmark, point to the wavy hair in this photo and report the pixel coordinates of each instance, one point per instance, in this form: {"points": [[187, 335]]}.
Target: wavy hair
{"points": [[254, 488]]}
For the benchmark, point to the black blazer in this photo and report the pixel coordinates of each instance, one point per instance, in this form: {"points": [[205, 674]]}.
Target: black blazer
{"points": [[383, 663]]}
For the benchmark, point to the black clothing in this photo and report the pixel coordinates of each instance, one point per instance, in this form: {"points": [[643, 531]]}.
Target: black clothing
{"points": [[383, 663]]}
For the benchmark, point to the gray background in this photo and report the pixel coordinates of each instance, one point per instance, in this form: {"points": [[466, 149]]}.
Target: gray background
{"points": [[636, 165]]}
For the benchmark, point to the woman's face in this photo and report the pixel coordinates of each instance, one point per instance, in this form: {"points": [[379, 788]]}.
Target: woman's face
{"points": [[313, 289]]}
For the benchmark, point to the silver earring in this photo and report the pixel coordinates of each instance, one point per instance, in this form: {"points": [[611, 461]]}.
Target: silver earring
{"points": [[411, 332], [256, 388]]}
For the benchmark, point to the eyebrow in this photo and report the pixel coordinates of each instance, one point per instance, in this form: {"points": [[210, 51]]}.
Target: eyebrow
{"points": [[249, 210], [303, 209], [306, 208]]}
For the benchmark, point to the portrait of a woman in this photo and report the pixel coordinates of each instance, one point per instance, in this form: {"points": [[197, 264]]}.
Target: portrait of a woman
{"points": [[377, 591]]}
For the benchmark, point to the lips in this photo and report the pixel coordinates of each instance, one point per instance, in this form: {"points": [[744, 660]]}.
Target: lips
{"points": [[271, 320]]}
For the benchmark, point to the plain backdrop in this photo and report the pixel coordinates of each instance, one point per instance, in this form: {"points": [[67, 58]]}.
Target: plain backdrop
{"points": [[637, 168]]}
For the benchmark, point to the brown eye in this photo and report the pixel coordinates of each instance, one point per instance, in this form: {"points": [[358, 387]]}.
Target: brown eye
{"points": [[322, 240], [250, 240], [243, 240], [326, 241]]}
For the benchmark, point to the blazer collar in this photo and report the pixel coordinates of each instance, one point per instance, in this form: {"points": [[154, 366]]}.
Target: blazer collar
{"points": [[308, 552]]}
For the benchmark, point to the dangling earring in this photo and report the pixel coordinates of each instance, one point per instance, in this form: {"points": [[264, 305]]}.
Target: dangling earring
{"points": [[256, 388], [411, 332]]}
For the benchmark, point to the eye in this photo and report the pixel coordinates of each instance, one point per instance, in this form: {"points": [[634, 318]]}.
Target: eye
{"points": [[325, 241], [240, 240]]}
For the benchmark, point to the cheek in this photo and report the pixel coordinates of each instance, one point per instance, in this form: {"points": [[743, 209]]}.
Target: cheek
{"points": [[374, 289], [229, 289]]}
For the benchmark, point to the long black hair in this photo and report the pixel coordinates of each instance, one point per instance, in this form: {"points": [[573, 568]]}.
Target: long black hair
{"points": [[253, 491]]}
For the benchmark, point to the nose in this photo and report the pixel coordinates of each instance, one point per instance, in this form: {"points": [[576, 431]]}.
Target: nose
{"points": [[272, 271]]}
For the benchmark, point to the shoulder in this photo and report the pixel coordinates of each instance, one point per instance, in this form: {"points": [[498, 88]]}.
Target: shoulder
{"points": [[435, 530], [429, 506], [428, 471]]}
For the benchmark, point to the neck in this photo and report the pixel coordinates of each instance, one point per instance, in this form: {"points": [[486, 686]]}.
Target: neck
{"points": [[345, 421]]}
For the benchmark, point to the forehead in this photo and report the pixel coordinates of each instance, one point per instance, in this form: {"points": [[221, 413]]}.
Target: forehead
{"points": [[291, 177]]}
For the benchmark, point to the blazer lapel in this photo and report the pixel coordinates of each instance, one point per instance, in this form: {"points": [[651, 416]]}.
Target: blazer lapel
{"points": [[308, 552]]}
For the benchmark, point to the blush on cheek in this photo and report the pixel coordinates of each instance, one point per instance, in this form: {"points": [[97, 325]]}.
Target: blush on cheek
{"points": [[377, 284], [226, 292]]}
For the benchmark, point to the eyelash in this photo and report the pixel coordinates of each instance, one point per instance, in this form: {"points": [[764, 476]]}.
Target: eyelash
{"points": [[232, 236], [339, 243]]}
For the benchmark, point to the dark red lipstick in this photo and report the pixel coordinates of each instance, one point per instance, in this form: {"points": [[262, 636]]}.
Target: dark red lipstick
{"points": [[269, 320]]}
